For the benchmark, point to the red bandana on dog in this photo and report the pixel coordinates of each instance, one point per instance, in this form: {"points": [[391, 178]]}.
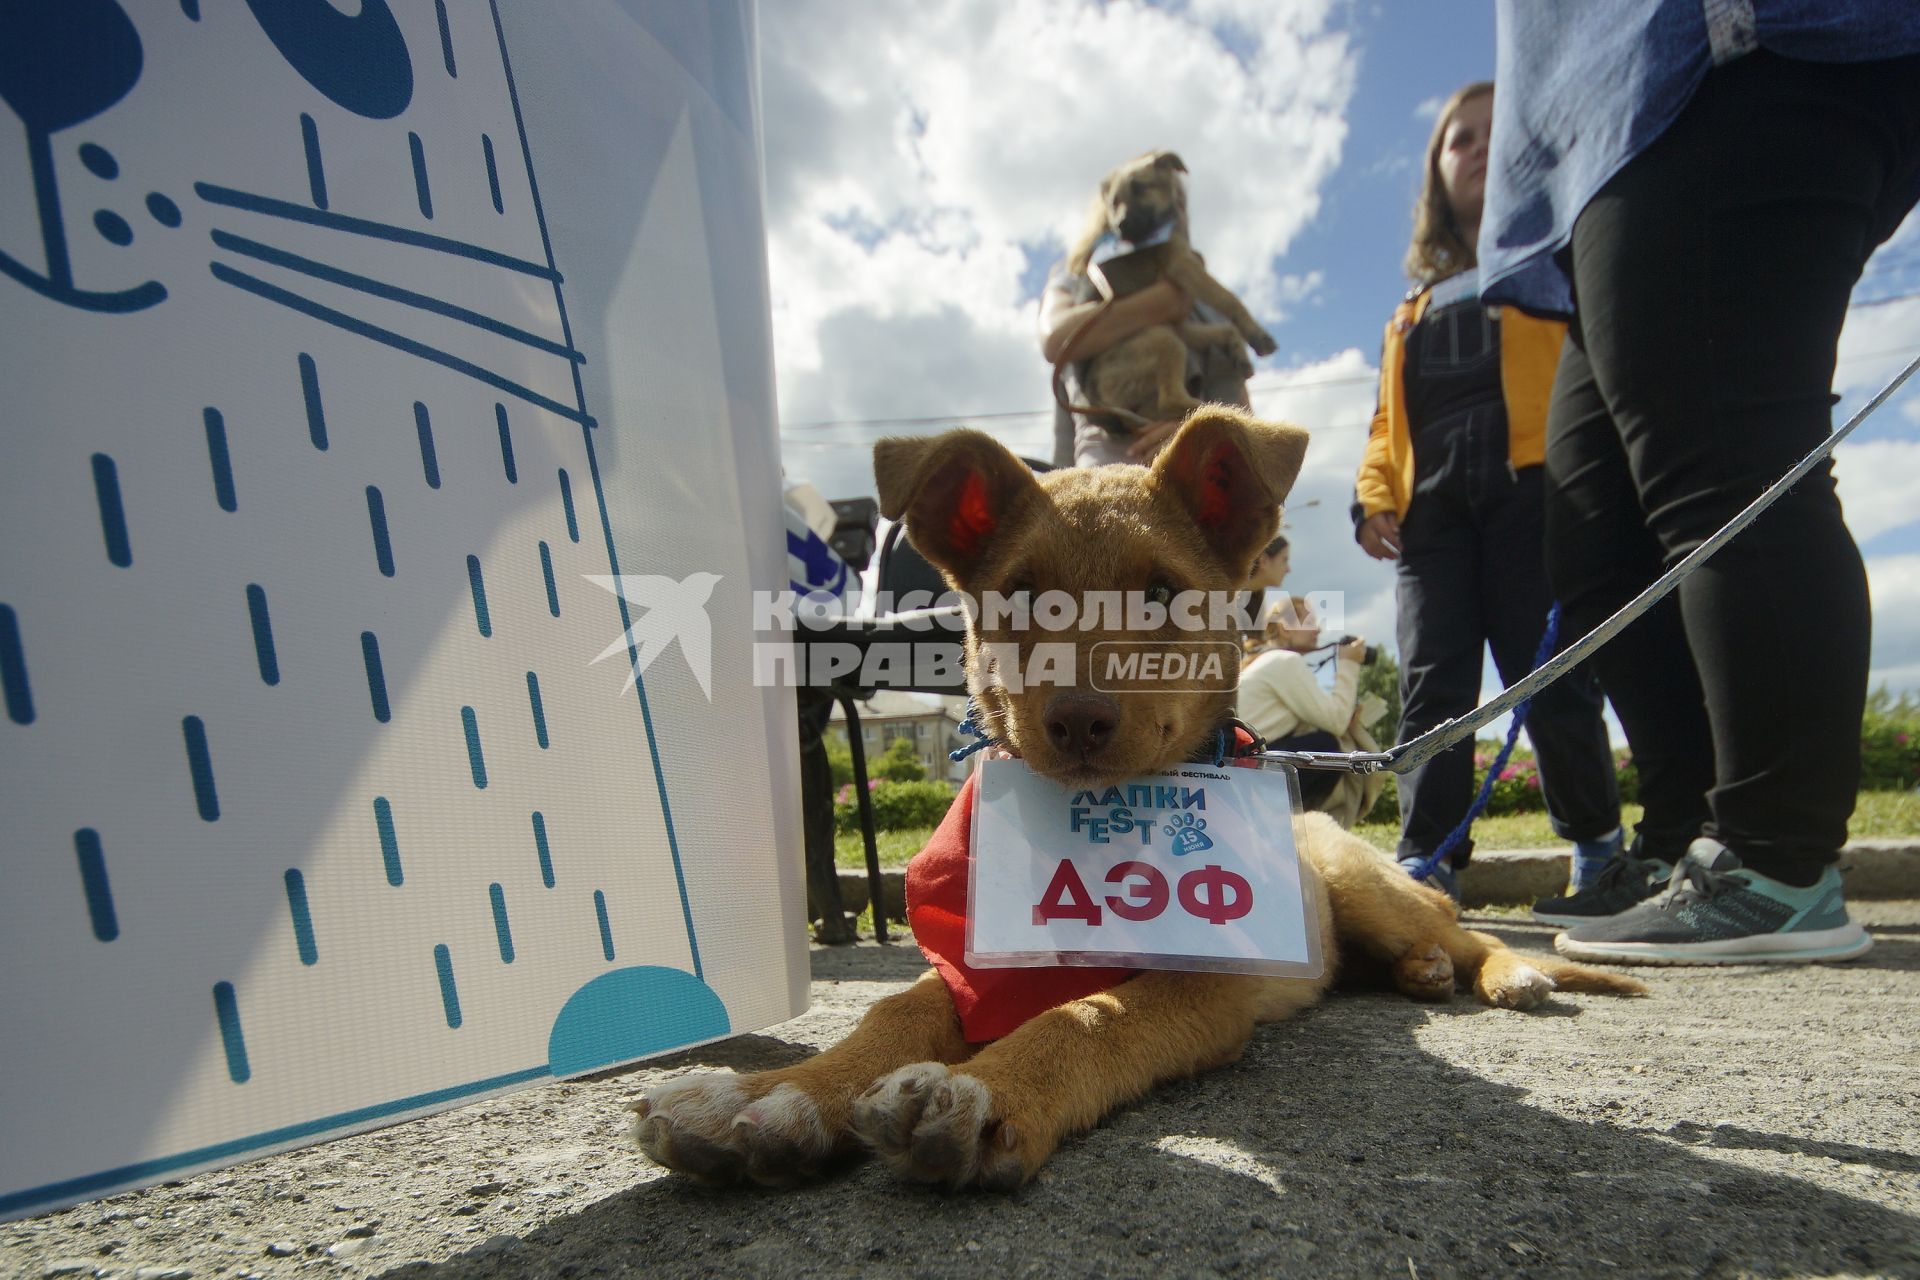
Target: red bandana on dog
{"points": [[991, 1002]]}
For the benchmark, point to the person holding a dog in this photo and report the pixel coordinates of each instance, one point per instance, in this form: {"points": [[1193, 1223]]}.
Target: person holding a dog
{"points": [[1138, 331], [1450, 489], [1699, 188]]}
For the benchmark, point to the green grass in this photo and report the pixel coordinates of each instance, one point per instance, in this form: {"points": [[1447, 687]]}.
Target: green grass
{"points": [[1877, 814]]}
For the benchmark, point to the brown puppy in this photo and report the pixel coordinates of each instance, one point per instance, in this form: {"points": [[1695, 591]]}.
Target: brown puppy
{"points": [[906, 1083], [1145, 376]]}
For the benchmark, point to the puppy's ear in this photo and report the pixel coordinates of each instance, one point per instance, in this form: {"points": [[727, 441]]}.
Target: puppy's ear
{"points": [[1232, 471], [1169, 160], [958, 494]]}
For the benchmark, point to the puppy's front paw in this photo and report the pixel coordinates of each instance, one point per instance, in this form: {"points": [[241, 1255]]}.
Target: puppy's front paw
{"points": [[1507, 982], [1262, 342], [708, 1126], [933, 1125]]}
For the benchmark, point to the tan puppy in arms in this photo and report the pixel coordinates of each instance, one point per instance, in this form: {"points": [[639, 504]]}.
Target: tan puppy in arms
{"points": [[909, 1083], [1145, 375]]}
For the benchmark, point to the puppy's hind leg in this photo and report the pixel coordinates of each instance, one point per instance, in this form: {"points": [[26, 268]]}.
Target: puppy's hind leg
{"points": [[1415, 929], [791, 1125]]}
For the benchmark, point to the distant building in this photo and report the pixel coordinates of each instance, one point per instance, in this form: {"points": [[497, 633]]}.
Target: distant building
{"points": [[931, 727]]}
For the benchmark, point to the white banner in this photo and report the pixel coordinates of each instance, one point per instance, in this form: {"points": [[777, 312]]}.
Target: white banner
{"points": [[370, 376], [1194, 868]]}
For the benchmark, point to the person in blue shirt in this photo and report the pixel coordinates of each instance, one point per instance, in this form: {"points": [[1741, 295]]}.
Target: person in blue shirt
{"points": [[1698, 184]]}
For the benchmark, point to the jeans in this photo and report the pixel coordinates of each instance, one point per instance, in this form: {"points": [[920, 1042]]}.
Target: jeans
{"points": [[1711, 277], [1472, 575]]}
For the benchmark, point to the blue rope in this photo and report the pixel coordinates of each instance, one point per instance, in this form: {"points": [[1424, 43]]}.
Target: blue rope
{"points": [[1459, 833], [972, 726]]}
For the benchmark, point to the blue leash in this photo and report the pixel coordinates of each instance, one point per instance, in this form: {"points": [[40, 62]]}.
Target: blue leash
{"points": [[1479, 805]]}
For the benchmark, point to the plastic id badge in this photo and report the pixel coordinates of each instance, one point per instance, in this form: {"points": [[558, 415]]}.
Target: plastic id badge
{"points": [[1195, 868]]}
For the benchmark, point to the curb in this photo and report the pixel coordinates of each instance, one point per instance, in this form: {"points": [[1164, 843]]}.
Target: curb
{"points": [[1884, 868]]}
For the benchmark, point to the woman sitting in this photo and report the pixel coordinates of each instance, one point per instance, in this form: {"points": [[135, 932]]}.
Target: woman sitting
{"points": [[1281, 697]]}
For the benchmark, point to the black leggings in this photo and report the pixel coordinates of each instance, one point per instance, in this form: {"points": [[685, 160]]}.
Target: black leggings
{"points": [[1712, 276]]}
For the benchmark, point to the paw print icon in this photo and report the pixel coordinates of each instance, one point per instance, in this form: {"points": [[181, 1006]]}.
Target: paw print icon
{"points": [[1188, 833]]}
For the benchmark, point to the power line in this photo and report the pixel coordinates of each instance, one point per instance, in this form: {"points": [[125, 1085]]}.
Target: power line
{"points": [[964, 419]]}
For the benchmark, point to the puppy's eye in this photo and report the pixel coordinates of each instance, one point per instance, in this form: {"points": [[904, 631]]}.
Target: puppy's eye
{"points": [[1159, 593]]}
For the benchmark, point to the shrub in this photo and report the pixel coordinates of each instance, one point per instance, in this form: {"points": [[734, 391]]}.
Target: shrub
{"points": [[839, 759], [1890, 742], [898, 763], [896, 805]]}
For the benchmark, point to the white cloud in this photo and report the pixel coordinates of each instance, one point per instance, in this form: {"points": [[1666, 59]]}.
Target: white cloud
{"points": [[1894, 582], [915, 160], [1877, 484], [1430, 109]]}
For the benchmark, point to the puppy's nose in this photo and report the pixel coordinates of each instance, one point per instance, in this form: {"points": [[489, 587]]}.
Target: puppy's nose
{"points": [[1081, 724]]}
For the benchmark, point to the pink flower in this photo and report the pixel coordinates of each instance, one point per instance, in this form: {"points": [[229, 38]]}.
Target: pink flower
{"points": [[1900, 738], [1506, 774], [1533, 784]]}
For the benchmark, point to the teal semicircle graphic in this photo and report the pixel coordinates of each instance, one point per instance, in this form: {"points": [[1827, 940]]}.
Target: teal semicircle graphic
{"points": [[631, 1013]]}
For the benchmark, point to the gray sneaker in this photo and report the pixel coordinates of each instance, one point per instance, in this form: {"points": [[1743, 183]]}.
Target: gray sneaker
{"points": [[1715, 911], [1625, 881]]}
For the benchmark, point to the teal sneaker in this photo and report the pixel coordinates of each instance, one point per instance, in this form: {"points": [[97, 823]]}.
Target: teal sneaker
{"points": [[1715, 911]]}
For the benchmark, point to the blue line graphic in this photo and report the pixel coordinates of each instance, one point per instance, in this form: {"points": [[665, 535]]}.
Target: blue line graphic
{"points": [[229, 198], [606, 525], [191, 8], [310, 388], [500, 930], [377, 515], [302, 917], [316, 174], [13, 669], [540, 844], [606, 930], [566, 500], [93, 882], [200, 764], [153, 1170], [389, 841], [376, 676], [449, 997], [506, 443], [429, 460], [480, 615], [220, 459], [113, 515], [227, 1010], [262, 634], [446, 37], [391, 293], [539, 712], [546, 568], [493, 173], [341, 320], [474, 759], [420, 175]]}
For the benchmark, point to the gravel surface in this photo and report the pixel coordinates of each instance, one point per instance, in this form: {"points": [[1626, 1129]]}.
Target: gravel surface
{"points": [[1739, 1122]]}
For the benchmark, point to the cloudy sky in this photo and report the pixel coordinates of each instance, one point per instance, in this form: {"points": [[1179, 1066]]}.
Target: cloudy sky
{"points": [[927, 163]]}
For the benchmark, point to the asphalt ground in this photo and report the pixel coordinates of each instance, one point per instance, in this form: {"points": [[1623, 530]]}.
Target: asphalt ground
{"points": [[1736, 1122]]}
